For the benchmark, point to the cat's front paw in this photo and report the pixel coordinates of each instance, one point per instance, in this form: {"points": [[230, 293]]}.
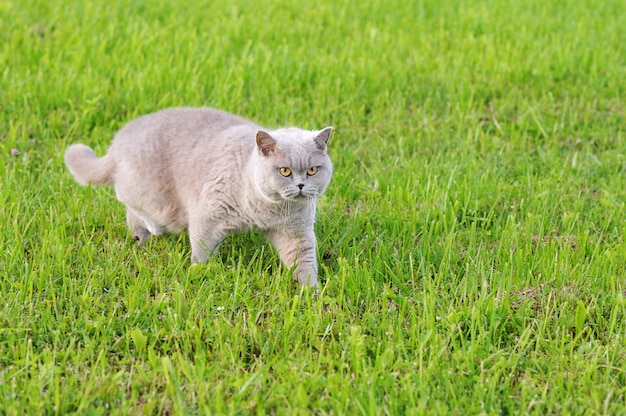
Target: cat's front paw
{"points": [[141, 234], [306, 279], [199, 258]]}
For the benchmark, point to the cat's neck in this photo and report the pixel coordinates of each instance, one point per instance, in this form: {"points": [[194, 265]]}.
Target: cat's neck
{"points": [[258, 192]]}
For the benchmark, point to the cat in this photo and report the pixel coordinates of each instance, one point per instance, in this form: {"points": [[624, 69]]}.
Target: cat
{"points": [[215, 173]]}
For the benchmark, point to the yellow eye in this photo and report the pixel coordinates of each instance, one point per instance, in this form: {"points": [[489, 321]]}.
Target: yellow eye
{"points": [[312, 171], [285, 171]]}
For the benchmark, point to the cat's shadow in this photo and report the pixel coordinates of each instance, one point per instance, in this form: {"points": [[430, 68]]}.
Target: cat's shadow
{"points": [[236, 249], [251, 251]]}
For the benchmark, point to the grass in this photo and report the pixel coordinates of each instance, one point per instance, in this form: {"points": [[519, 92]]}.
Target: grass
{"points": [[472, 242]]}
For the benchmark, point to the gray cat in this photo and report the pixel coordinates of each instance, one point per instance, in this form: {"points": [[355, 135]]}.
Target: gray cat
{"points": [[215, 173]]}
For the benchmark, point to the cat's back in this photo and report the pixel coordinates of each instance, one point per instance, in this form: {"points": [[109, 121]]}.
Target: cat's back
{"points": [[180, 124]]}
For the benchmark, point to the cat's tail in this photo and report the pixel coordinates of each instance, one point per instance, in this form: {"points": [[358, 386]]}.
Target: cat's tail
{"points": [[87, 167]]}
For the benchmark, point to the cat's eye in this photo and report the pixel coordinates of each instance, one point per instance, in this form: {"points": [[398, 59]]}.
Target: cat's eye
{"points": [[312, 171], [285, 171]]}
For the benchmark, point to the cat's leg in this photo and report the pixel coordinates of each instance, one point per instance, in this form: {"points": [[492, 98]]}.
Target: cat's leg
{"points": [[204, 240], [138, 228], [297, 247]]}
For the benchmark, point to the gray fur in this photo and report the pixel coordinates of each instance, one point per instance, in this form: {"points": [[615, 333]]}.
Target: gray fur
{"points": [[214, 173]]}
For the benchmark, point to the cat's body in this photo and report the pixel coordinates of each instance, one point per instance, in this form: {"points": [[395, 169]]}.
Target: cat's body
{"points": [[215, 173]]}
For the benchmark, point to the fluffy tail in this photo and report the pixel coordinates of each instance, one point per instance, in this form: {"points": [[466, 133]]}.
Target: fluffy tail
{"points": [[86, 167]]}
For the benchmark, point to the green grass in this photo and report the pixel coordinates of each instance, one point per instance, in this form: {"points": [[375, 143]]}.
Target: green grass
{"points": [[472, 242]]}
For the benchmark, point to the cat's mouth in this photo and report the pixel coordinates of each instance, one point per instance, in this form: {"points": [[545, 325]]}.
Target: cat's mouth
{"points": [[296, 196], [299, 197]]}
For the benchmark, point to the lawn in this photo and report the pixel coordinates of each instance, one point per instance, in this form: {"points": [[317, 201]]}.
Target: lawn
{"points": [[472, 241]]}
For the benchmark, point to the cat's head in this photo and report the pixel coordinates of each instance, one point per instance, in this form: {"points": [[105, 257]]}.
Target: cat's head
{"points": [[292, 164]]}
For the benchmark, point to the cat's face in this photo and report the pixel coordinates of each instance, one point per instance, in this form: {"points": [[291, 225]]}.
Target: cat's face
{"points": [[293, 164]]}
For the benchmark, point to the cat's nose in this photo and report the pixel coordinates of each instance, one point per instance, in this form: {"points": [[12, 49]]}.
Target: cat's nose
{"points": [[300, 185]]}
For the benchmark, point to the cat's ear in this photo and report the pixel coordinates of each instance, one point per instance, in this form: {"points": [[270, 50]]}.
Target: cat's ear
{"points": [[265, 143], [322, 138]]}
